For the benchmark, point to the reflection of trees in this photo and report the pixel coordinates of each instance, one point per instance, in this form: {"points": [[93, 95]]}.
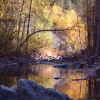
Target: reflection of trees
{"points": [[75, 89], [61, 75], [8, 81], [45, 74], [42, 74], [93, 88]]}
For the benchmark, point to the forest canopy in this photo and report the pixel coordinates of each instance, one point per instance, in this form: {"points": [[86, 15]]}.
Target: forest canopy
{"points": [[27, 22]]}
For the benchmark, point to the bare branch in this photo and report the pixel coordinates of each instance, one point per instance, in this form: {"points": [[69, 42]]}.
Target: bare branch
{"points": [[69, 28]]}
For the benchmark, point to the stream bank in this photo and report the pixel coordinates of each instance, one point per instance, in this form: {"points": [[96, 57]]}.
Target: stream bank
{"points": [[11, 61]]}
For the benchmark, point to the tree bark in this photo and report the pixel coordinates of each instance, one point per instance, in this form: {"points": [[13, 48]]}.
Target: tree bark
{"points": [[97, 24]]}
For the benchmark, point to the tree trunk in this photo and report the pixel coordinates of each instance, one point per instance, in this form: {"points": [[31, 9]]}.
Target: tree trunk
{"points": [[97, 24], [28, 26]]}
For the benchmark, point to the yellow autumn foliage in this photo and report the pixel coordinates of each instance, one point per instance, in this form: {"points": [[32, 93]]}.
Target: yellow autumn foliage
{"points": [[76, 37], [40, 40]]}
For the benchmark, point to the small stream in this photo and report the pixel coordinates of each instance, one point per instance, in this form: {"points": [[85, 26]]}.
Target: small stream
{"points": [[72, 82]]}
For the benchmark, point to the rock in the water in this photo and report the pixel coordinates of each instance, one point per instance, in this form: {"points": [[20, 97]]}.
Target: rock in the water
{"points": [[61, 65], [29, 90]]}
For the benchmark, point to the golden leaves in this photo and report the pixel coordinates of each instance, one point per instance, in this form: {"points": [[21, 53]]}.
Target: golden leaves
{"points": [[69, 18]]}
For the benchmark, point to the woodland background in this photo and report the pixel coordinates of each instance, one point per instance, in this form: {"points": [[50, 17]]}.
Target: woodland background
{"points": [[55, 26]]}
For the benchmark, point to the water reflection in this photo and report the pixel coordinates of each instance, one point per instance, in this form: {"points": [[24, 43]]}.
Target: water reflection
{"points": [[94, 88], [75, 89], [49, 77]]}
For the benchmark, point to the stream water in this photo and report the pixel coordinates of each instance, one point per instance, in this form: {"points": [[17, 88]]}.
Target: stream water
{"points": [[72, 82]]}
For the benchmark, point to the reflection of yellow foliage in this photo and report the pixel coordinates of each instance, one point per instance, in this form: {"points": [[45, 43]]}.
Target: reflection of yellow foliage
{"points": [[74, 89], [43, 75]]}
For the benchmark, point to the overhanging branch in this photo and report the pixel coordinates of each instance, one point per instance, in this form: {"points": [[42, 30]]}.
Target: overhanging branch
{"points": [[69, 28]]}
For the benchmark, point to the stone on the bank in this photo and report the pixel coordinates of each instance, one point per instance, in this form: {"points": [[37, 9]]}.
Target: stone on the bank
{"points": [[7, 93]]}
